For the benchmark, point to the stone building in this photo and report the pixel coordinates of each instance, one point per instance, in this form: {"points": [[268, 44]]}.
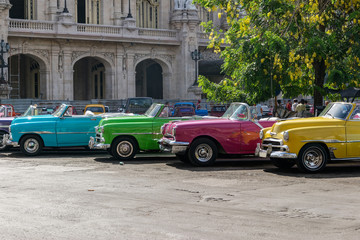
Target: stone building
{"points": [[104, 49]]}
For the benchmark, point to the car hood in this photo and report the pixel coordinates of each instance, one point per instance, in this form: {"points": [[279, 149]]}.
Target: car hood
{"points": [[123, 119], [38, 118], [305, 122]]}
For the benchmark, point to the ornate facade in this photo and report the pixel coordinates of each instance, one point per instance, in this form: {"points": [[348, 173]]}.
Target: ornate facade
{"points": [[103, 49]]}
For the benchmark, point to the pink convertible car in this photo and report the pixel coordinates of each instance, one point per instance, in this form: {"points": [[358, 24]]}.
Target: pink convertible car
{"points": [[200, 141]]}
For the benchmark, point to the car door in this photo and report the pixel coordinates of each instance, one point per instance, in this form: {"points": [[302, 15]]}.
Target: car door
{"points": [[352, 130], [75, 130]]}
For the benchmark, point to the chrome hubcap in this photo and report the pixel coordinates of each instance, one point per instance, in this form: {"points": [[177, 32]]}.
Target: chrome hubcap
{"points": [[31, 145], [313, 158], [203, 152], [124, 149]]}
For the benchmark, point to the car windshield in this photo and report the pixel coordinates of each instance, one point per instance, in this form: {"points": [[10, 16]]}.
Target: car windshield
{"points": [[95, 109], [237, 111], [140, 103], [153, 110], [60, 110], [336, 110]]}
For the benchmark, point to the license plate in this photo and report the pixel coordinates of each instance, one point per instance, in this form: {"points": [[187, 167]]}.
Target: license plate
{"points": [[263, 153]]}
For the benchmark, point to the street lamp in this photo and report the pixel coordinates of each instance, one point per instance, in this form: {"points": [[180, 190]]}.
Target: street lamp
{"points": [[65, 8], [4, 49], [196, 56], [129, 15]]}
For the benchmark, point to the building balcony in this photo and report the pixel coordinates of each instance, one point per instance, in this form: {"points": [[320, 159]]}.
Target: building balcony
{"points": [[76, 31]]}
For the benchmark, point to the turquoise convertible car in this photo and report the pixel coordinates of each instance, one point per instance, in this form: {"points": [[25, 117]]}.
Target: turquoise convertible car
{"points": [[60, 129]]}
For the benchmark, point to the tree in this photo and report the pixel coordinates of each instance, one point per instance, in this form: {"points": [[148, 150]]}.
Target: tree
{"points": [[296, 46]]}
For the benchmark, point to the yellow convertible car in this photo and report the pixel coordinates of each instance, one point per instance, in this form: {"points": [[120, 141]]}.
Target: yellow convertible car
{"points": [[311, 143]]}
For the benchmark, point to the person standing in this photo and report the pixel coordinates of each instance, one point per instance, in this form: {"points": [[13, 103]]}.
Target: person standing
{"points": [[301, 106], [288, 105], [293, 106], [258, 111]]}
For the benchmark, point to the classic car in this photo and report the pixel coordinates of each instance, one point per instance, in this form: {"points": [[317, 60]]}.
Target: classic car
{"points": [[311, 143], [199, 112], [217, 110], [137, 105], [60, 129], [123, 137], [199, 142], [8, 117], [7, 110], [95, 108]]}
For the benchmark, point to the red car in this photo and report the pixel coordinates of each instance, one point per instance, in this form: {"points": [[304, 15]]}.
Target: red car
{"points": [[200, 141]]}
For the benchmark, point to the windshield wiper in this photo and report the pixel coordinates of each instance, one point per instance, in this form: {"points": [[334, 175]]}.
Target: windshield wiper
{"points": [[330, 115]]}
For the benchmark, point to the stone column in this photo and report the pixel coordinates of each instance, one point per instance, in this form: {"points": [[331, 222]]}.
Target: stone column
{"points": [[51, 11], [4, 26], [68, 81], [109, 83], [120, 89], [186, 20], [131, 83]]}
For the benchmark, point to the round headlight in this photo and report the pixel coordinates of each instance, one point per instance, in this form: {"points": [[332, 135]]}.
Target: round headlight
{"points": [[286, 136], [261, 134]]}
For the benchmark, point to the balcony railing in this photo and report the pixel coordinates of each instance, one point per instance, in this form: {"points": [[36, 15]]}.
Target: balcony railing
{"points": [[48, 29]]}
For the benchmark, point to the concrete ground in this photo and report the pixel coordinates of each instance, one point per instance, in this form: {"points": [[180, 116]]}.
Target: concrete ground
{"points": [[89, 195]]}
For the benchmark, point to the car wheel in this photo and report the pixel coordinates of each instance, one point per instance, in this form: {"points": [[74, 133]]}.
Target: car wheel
{"points": [[184, 158], [202, 152], [312, 158], [124, 148], [2, 146], [31, 145], [282, 163]]}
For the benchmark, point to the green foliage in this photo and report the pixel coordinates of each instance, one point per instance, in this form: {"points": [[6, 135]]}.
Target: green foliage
{"points": [[298, 46]]}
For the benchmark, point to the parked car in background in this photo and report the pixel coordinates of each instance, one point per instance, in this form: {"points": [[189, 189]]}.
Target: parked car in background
{"points": [[60, 129], [199, 142], [123, 137], [7, 110], [266, 111], [311, 143], [182, 111], [199, 112], [95, 108], [137, 105], [217, 110]]}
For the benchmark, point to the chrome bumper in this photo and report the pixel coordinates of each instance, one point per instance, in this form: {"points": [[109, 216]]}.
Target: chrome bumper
{"points": [[6, 141], [167, 145], [276, 154], [94, 145]]}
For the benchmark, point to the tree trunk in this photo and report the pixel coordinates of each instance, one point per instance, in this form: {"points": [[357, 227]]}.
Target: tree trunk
{"points": [[320, 68]]}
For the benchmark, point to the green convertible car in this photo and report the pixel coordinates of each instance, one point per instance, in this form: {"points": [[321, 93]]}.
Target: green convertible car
{"points": [[125, 136]]}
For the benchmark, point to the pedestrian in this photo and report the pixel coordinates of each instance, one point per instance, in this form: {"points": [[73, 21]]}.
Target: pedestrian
{"points": [[293, 106], [288, 105], [307, 106], [259, 111], [198, 106], [301, 106]]}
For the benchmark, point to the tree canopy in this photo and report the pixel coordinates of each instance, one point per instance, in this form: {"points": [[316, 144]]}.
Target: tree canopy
{"points": [[296, 46]]}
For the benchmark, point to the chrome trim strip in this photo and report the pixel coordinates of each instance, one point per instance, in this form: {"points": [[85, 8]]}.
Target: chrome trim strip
{"points": [[40, 132], [131, 133], [4, 126], [355, 141], [75, 132], [345, 159], [325, 141], [283, 155]]}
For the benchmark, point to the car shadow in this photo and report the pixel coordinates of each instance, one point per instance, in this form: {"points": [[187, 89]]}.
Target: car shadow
{"points": [[332, 170], [248, 163]]}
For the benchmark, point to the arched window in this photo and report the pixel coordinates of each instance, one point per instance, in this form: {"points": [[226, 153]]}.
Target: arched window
{"points": [[147, 13], [89, 11], [23, 9]]}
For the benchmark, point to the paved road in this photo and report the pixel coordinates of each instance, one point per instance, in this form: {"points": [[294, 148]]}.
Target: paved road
{"points": [[87, 195]]}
